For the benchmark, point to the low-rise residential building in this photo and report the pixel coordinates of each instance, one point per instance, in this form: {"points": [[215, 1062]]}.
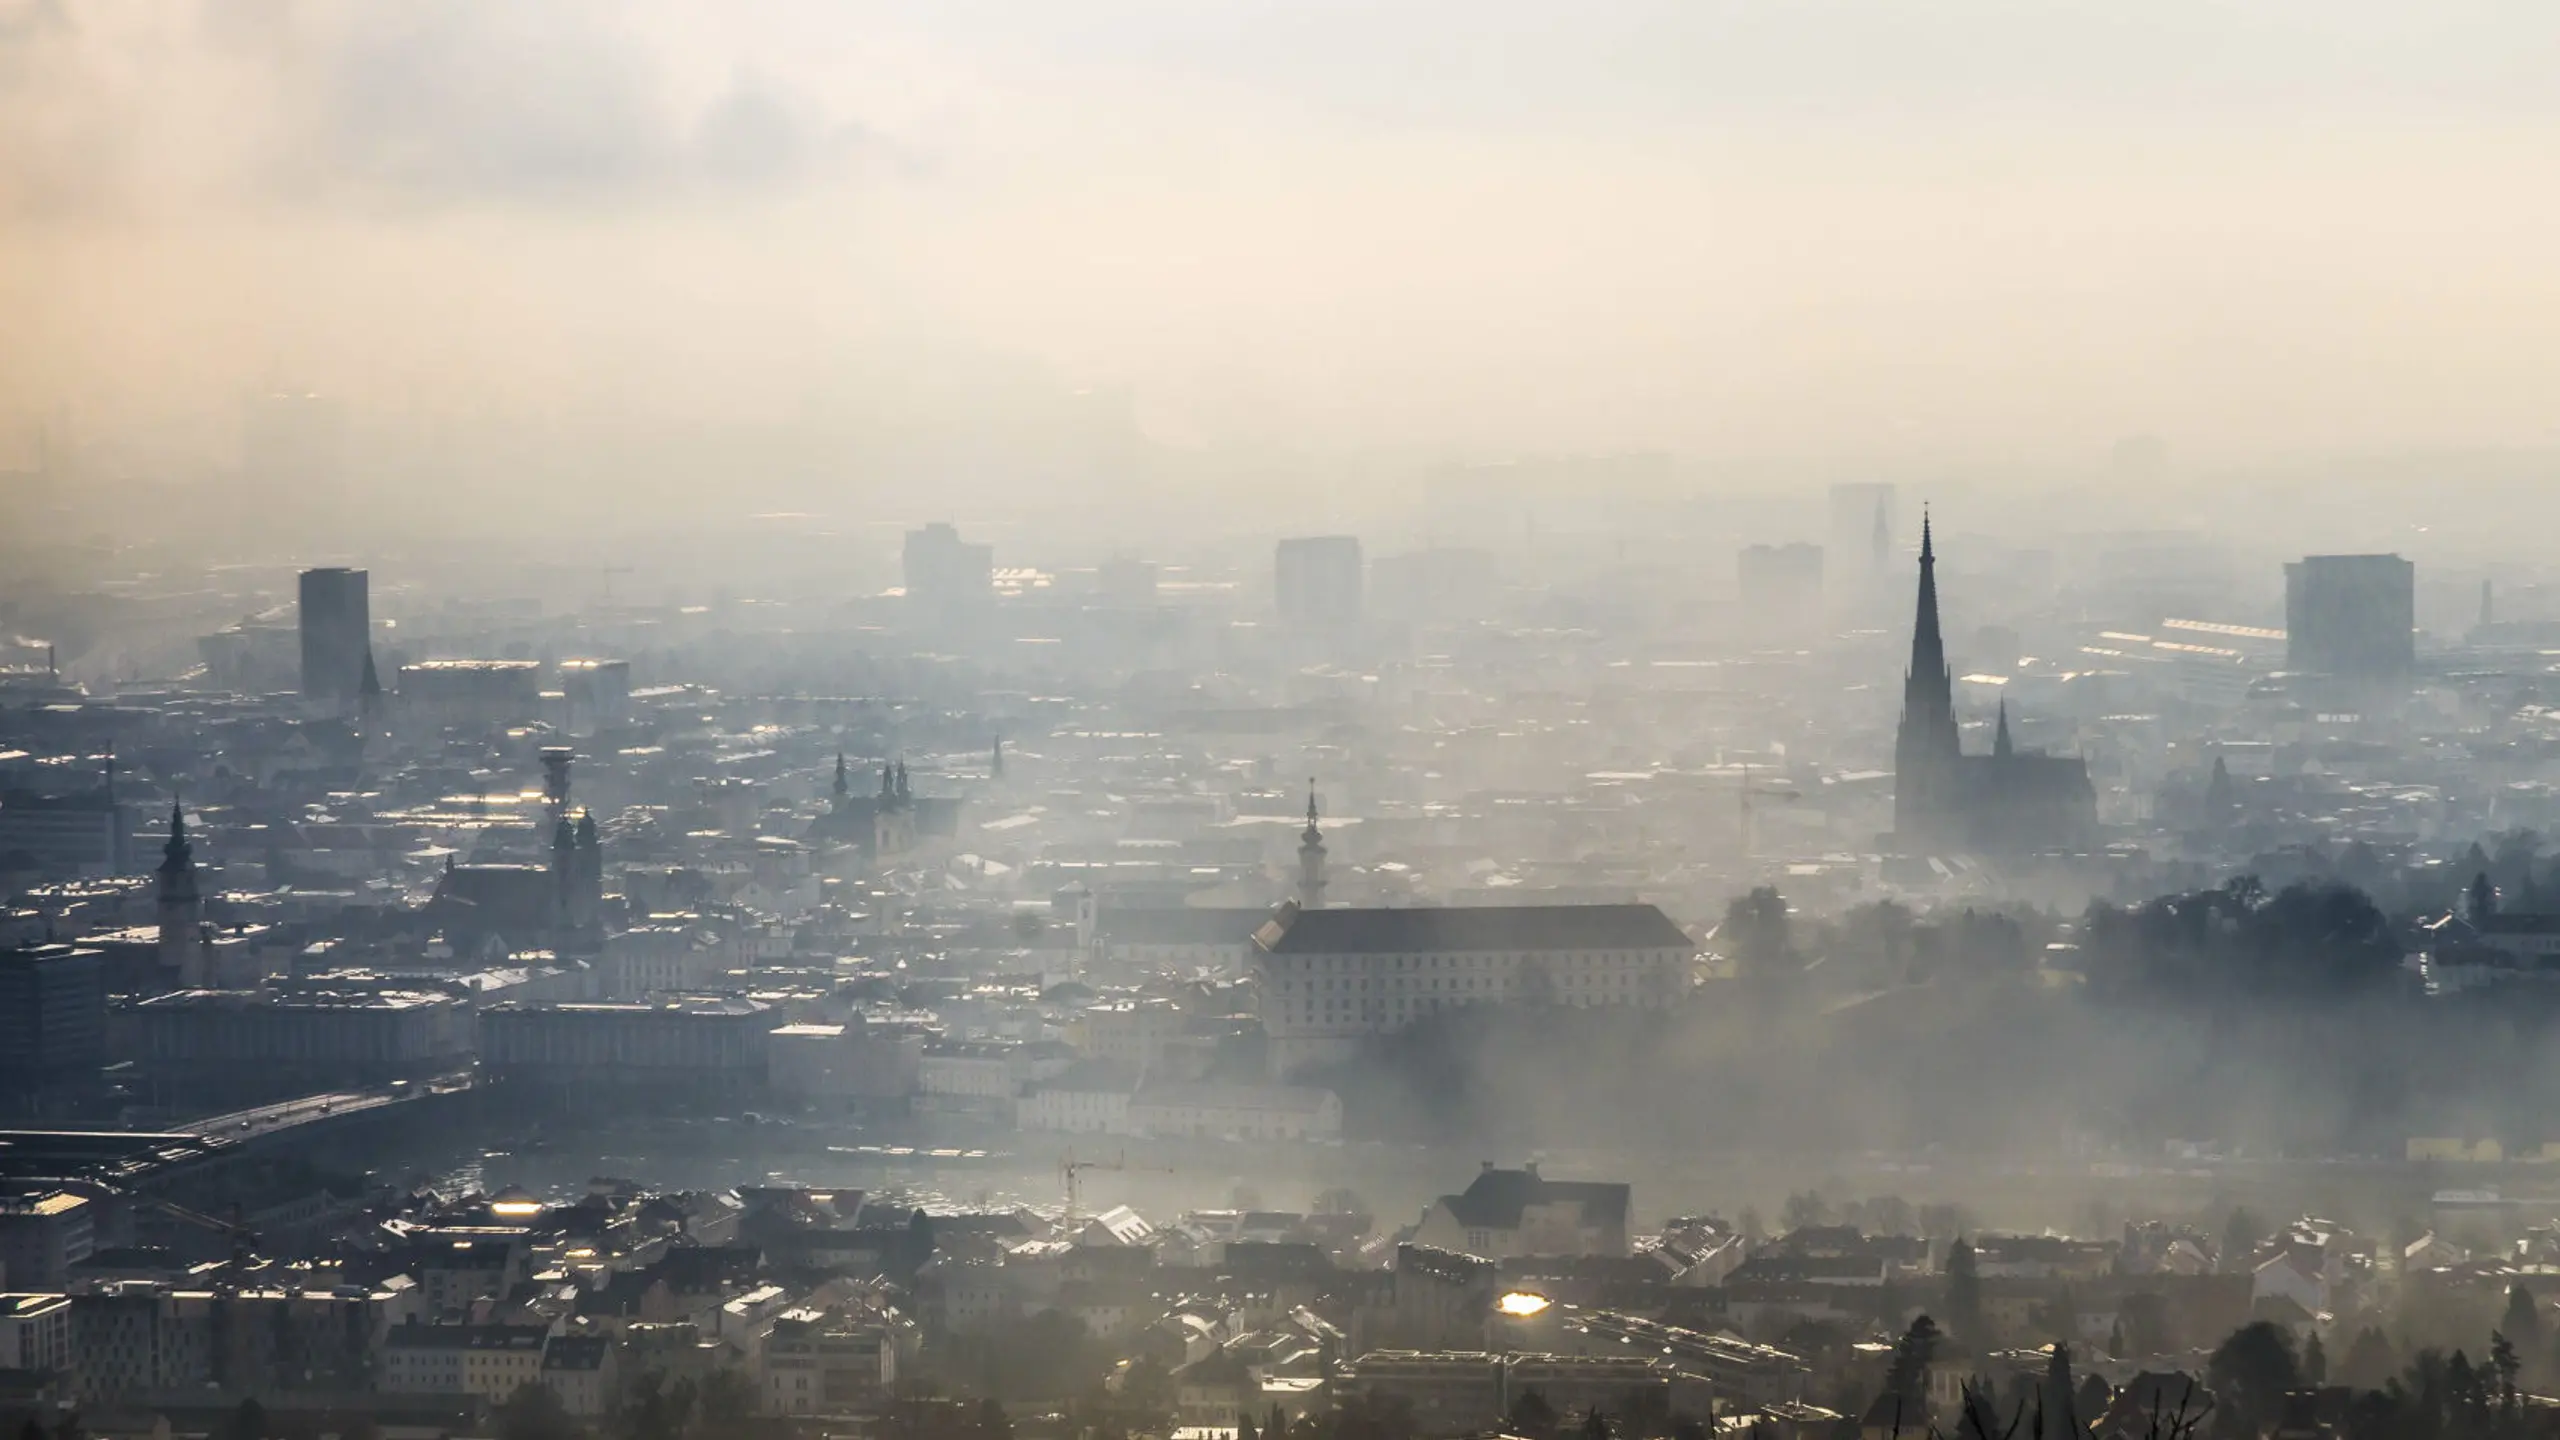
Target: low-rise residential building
{"points": [[581, 1370], [817, 1363], [1504, 1213], [490, 1361]]}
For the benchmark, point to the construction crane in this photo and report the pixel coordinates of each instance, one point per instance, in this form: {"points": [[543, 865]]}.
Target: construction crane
{"points": [[1071, 1170], [244, 1241], [229, 1356]]}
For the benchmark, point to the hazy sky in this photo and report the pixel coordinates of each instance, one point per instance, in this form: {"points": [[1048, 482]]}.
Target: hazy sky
{"points": [[1791, 227]]}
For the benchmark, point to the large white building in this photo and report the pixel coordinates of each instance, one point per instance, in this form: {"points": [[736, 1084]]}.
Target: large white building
{"points": [[1329, 978], [35, 1332], [707, 1046], [490, 1361], [821, 1364], [1236, 1112]]}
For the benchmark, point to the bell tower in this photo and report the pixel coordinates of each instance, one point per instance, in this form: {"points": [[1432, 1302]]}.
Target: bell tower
{"points": [[180, 905], [1311, 857]]}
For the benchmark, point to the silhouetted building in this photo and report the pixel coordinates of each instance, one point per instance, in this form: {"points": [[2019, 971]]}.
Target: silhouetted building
{"points": [[1311, 875], [1318, 580], [53, 1017], [946, 576], [337, 630], [1861, 543], [1780, 585], [2011, 800], [1330, 977], [887, 823], [61, 836], [2354, 616], [1125, 581], [235, 1046], [893, 818], [705, 1048], [1520, 1212], [596, 694], [528, 906], [186, 949], [435, 694]]}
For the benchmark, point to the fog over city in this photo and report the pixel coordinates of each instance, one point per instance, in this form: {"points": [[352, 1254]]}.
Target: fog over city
{"points": [[1115, 718]]}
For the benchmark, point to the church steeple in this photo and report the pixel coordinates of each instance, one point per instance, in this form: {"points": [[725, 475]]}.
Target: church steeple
{"points": [[1925, 751], [1928, 646], [844, 787], [1311, 875], [182, 943], [177, 862], [2000, 747]]}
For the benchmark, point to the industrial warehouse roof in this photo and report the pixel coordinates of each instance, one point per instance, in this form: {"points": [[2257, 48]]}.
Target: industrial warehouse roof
{"points": [[1469, 928]]}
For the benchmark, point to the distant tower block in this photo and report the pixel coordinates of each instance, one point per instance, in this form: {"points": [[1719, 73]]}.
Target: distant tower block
{"points": [[555, 779], [337, 627]]}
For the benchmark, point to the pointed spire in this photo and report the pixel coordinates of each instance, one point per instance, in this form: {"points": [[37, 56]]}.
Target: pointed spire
{"points": [[1928, 646], [1926, 748], [177, 858], [1311, 877], [843, 786], [2000, 741]]}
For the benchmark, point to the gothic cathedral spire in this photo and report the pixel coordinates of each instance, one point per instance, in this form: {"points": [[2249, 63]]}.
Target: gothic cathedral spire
{"points": [[1925, 750]]}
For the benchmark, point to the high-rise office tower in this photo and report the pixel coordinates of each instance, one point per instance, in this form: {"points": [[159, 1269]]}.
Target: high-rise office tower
{"points": [[53, 1016], [1318, 580], [947, 577], [337, 630], [2353, 616]]}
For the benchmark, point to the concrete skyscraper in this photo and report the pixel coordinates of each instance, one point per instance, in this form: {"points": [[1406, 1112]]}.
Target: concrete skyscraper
{"points": [[337, 631], [1318, 580], [2352, 616]]}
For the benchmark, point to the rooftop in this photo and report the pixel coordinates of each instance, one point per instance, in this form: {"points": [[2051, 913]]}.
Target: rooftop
{"points": [[1470, 928]]}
